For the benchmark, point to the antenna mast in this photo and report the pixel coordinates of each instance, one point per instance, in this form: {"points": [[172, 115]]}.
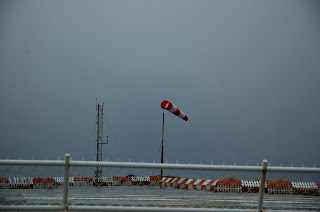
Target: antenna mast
{"points": [[98, 173]]}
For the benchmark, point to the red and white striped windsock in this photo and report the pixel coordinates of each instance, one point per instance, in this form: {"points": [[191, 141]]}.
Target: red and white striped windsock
{"points": [[173, 109]]}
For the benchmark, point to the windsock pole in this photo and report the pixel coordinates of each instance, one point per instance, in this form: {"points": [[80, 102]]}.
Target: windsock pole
{"points": [[166, 105], [161, 173]]}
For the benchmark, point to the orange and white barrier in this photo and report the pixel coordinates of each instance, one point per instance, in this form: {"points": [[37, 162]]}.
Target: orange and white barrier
{"points": [[154, 180], [279, 187], [181, 183], [4, 182], [198, 184], [114, 180], [83, 181], [251, 186], [171, 182], [44, 182], [140, 180], [20, 183], [165, 181], [305, 188], [189, 183], [233, 186], [174, 182], [208, 185]]}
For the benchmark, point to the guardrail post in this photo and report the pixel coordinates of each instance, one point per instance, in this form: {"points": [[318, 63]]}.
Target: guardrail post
{"points": [[66, 182], [262, 184]]}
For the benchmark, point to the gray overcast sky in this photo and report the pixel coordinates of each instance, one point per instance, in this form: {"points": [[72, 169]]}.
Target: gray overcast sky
{"points": [[245, 72]]}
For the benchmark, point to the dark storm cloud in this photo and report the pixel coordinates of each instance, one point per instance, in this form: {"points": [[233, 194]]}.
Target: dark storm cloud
{"points": [[245, 72]]}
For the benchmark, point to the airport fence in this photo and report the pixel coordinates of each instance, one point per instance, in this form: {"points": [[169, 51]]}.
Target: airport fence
{"points": [[223, 194]]}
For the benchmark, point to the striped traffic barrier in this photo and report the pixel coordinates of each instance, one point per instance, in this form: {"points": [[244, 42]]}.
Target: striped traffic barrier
{"points": [[140, 180], [165, 180], [279, 187], [234, 186], [251, 186], [155, 180], [310, 188], [200, 186], [189, 183], [210, 185], [181, 183], [173, 182]]}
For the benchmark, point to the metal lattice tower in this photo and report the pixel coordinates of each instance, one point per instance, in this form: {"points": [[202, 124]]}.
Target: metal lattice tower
{"points": [[98, 172]]}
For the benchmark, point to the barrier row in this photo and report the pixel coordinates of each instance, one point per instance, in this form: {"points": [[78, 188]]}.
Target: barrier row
{"points": [[234, 186], [49, 182], [237, 186], [30, 182]]}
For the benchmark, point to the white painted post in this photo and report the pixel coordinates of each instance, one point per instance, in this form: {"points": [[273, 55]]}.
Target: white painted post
{"points": [[262, 184], [66, 181]]}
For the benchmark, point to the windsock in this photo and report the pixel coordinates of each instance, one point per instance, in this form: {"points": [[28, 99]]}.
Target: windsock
{"points": [[173, 109]]}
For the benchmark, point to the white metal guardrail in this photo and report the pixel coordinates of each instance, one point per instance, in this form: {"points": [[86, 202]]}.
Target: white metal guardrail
{"points": [[67, 163]]}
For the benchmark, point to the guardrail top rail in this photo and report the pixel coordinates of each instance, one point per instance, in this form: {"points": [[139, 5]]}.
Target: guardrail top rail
{"points": [[159, 166]]}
